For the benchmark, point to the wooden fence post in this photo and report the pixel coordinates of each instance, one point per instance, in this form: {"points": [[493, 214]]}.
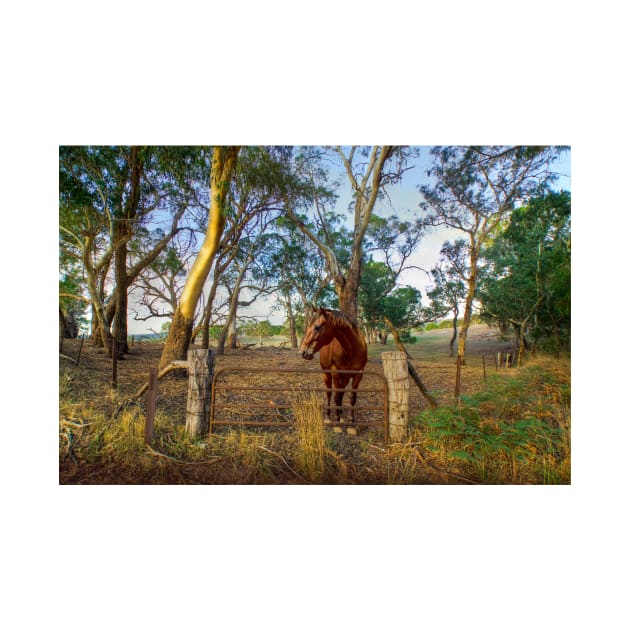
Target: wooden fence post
{"points": [[114, 364], [397, 375], [200, 371], [151, 401], [80, 348]]}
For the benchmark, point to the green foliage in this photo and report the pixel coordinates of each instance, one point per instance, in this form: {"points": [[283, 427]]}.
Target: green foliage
{"points": [[527, 276], [445, 323], [407, 337], [379, 298], [262, 329], [518, 430], [448, 281]]}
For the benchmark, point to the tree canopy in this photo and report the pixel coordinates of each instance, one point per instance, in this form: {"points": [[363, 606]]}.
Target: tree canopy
{"points": [[198, 234]]}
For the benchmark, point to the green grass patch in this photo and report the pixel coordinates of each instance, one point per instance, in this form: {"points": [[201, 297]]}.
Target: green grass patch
{"points": [[516, 431]]}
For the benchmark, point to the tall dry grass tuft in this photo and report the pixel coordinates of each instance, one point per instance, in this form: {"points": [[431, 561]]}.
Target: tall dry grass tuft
{"points": [[311, 447]]}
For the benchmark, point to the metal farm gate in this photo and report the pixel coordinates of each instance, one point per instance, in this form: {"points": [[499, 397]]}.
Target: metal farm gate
{"points": [[270, 403]]}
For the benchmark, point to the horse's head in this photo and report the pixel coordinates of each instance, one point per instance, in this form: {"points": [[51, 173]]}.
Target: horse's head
{"points": [[319, 333]]}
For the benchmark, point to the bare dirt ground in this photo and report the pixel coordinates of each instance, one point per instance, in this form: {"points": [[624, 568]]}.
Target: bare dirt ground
{"points": [[252, 367]]}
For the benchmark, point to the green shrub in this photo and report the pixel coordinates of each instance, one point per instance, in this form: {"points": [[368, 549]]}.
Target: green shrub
{"points": [[518, 431]]}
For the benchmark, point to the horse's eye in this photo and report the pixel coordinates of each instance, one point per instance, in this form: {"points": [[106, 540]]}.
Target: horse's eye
{"points": [[318, 328]]}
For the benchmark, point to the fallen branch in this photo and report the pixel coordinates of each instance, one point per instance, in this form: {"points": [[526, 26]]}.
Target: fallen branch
{"points": [[65, 356], [442, 470], [262, 448], [174, 365], [412, 368], [181, 461]]}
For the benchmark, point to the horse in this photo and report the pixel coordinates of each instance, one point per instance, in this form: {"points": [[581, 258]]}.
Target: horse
{"points": [[341, 346]]}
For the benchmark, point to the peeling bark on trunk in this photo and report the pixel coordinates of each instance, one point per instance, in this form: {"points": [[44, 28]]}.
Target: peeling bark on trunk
{"points": [[454, 337], [232, 340], [347, 288], [180, 332], [230, 324], [119, 324], [470, 296]]}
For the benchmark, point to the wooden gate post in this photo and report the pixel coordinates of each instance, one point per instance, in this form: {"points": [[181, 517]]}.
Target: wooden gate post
{"points": [[397, 375], [200, 371], [151, 403]]}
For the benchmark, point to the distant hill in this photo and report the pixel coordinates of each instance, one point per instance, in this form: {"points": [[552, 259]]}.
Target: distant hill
{"points": [[148, 336]]}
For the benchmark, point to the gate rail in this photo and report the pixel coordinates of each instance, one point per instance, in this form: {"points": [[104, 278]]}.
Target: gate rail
{"points": [[265, 423]]}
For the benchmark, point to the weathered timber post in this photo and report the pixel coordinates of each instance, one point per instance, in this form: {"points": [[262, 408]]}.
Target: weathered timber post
{"points": [[114, 384], [80, 348], [151, 401], [200, 371], [499, 355], [397, 375]]}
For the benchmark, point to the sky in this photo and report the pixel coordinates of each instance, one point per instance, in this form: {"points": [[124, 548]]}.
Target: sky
{"points": [[404, 199]]}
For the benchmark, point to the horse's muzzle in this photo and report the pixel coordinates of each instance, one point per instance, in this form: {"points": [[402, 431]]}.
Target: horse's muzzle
{"points": [[307, 354]]}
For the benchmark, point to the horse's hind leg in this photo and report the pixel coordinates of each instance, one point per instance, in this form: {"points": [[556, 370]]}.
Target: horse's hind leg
{"points": [[340, 382]]}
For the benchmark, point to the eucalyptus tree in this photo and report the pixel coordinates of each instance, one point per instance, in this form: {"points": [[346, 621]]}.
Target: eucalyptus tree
{"points": [[394, 240], [474, 189], [300, 271], [247, 265], [376, 283], [87, 190], [162, 180], [383, 305], [526, 280], [380, 299], [450, 276], [246, 257], [180, 332], [369, 170], [71, 291], [108, 195], [160, 285]]}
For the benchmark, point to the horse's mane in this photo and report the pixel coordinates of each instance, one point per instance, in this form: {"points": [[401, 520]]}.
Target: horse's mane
{"points": [[337, 318]]}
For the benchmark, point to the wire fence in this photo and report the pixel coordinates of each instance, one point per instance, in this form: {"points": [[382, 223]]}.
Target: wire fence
{"points": [[70, 358]]}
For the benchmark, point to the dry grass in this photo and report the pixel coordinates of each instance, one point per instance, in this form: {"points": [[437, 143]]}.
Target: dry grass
{"points": [[514, 429], [311, 447]]}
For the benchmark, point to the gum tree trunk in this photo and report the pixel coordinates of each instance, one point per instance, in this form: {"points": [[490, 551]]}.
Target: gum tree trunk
{"points": [[470, 296], [454, 337], [180, 332]]}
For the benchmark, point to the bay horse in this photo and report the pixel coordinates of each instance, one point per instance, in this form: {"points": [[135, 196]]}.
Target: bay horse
{"points": [[341, 346]]}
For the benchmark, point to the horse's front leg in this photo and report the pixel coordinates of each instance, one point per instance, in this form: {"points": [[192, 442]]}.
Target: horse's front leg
{"points": [[338, 403]]}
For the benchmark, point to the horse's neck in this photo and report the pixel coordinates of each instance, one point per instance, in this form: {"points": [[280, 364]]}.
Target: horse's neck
{"points": [[351, 344]]}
